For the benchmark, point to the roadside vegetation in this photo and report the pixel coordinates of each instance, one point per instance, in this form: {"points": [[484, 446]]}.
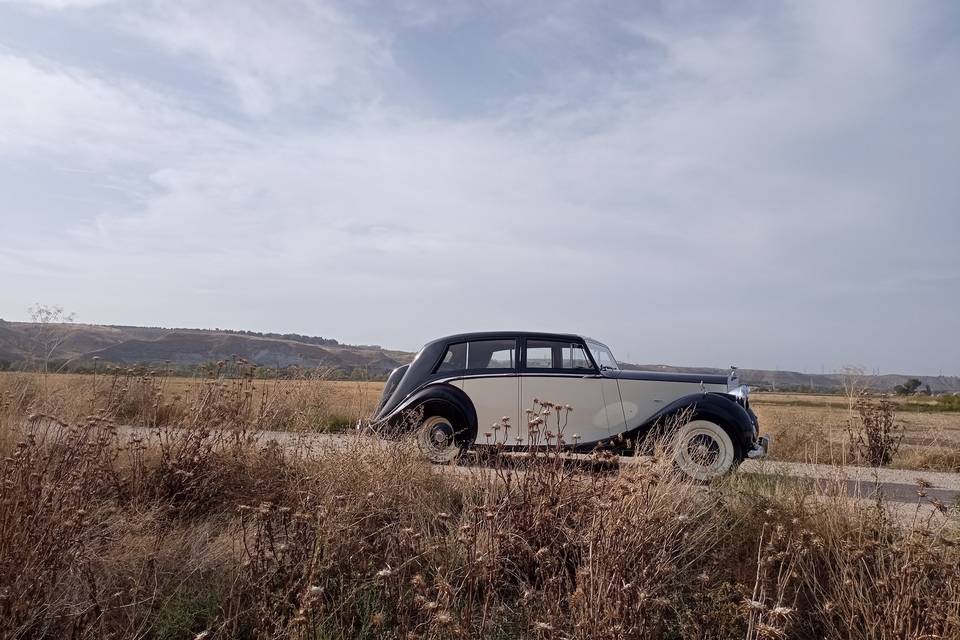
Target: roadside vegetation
{"points": [[200, 526], [807, 428]]}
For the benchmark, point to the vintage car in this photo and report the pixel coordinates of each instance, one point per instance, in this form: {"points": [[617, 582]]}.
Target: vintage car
{"points": [[481, 389]]}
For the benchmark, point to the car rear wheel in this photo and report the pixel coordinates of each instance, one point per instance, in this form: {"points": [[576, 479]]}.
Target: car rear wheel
{"points": [[704, 450], [437, 440]]}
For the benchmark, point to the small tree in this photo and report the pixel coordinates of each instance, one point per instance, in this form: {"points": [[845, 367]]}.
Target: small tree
{"points": [[54, 328], [908, 388]]}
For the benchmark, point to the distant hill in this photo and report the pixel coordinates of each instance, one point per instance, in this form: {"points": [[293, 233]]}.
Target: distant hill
{"points": [[123, 345], [767, 380]]}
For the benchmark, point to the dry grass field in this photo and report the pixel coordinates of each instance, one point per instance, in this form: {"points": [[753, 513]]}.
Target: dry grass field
{"points": [[204, 529], [814, 428], [311, 402], [806, 427]]}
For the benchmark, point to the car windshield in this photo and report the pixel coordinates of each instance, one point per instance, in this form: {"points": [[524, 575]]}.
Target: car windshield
{"points": [[602, 354]]}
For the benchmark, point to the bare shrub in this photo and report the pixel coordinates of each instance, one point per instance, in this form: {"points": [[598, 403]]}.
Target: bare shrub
{"points": [[53, 487], [875, 435]]}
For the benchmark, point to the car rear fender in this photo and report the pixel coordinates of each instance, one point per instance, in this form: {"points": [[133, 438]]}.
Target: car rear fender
{"points": [[390, 387], [438, 398]]}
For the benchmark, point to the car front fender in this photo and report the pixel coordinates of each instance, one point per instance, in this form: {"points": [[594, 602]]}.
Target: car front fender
{"points": [[718, 407]]}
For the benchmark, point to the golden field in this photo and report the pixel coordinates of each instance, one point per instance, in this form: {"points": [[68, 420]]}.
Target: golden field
{"points": [[806, 427]]}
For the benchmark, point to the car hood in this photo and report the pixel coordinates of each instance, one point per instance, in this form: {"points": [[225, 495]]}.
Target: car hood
{"points": [[662, 376]]}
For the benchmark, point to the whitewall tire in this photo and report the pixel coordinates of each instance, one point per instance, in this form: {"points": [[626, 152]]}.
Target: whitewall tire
{"points": [[436, 440], [704, 450]]}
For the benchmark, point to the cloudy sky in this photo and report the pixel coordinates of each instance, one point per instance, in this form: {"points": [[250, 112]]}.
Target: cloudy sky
{"points": [[772, 185]]}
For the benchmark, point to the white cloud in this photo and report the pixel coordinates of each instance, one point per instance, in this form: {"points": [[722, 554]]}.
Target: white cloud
{"points": [[306, 56], [53, 109], [59, 4], [695, 193]]}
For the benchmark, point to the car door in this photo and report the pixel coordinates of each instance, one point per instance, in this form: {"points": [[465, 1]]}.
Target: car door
{"points": [[490, 381], [561, 372]]}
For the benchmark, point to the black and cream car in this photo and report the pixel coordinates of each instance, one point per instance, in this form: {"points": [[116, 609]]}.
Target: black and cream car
{"points": [[464, 389]]}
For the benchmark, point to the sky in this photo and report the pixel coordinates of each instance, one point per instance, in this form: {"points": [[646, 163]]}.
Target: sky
{"points": [[772, 185]]}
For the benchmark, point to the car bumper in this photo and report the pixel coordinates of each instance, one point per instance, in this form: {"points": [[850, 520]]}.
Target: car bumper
{"points": [[761, 447]]}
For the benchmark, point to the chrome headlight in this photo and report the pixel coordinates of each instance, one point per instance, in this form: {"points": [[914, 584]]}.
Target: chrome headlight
{"points": [[740, 393]]}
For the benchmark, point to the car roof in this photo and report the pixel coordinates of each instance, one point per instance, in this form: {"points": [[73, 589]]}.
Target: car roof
{"points": [[486, 335]]}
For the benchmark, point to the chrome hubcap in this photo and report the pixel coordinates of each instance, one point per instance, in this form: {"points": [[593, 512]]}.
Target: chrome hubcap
{"points": [[703, 450], [441, 435], [437, 436]]}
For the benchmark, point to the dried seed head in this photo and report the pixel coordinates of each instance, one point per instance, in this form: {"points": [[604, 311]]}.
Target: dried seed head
{"points": [[754, 605]]}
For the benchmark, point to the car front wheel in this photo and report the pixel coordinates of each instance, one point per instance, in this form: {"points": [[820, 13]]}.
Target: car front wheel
{"points": [[436, 439], [704, 450]]}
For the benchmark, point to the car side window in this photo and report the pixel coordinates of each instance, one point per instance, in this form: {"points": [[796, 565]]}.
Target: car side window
{"points": [[575, 357], [491, 354], [550, 354], [479, 354], [539, 357]]}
